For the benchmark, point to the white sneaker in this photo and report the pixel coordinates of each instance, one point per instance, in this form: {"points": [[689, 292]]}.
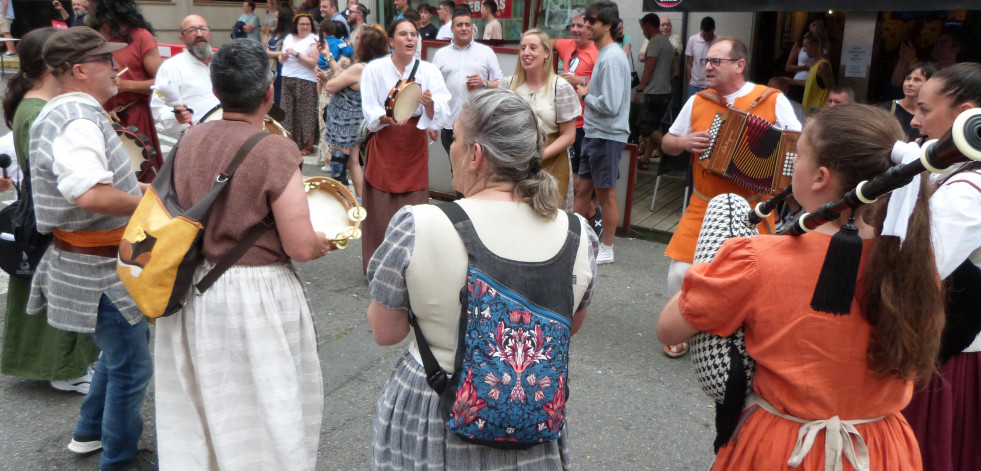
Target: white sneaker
{"points": [[605, 254], [84, 447], [79, 385]]}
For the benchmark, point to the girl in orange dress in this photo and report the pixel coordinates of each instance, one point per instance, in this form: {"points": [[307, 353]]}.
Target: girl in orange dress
{"points": [[828, 388]]}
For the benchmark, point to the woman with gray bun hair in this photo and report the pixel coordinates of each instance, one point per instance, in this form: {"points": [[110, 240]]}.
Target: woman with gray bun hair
{"points": [[423, 263]]}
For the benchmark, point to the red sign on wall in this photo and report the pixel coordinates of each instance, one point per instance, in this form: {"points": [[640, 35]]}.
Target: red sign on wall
{"points": [[503, 7]]}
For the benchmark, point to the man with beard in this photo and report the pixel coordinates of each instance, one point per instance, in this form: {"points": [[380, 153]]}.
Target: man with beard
{"points": [[183, 85], [356, 21]]}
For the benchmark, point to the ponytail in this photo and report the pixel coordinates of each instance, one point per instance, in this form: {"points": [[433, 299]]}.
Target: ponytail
{"points": [[900, 292]]}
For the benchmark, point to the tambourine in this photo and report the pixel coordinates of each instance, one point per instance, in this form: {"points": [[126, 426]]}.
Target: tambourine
{"points": [[334, 210], [403, 100], [141, 153], [272, 126]]}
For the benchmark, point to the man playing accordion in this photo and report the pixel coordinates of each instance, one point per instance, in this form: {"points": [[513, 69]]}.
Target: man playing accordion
{"points": [[724, 66]]}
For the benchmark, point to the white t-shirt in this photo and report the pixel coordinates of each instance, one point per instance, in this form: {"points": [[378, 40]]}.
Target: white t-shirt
{"points": [[445, 31], [293, 67]]}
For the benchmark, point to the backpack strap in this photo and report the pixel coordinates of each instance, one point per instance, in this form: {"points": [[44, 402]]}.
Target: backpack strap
{"points": [[412, 75], [254, 233], [435, 375]]}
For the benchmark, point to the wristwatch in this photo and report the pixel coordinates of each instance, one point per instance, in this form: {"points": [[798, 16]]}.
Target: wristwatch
{"points": [[296, 55], [485, 84]]}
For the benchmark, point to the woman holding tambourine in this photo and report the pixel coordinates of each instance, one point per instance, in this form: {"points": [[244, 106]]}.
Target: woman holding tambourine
{"points": [[837, 379], [397, 156]]}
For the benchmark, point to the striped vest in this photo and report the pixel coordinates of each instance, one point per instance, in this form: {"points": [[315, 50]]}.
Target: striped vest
{"points": [[70, 285]]}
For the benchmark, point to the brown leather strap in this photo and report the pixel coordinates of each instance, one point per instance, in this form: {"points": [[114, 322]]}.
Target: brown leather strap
{"points": [[108, 251]]}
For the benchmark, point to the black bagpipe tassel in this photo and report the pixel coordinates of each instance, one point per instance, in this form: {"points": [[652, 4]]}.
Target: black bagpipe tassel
{"points": [[836, 285]]}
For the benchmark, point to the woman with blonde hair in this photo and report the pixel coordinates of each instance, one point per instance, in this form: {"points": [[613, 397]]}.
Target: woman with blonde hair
{"points": [[554, 101]]}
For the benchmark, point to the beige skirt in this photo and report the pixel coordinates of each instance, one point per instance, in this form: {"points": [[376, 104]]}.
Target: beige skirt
{"points": [[238, 382]]}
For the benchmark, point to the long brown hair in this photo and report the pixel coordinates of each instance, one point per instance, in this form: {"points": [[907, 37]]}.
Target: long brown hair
{"points": [[32, 69], [900, 292]]}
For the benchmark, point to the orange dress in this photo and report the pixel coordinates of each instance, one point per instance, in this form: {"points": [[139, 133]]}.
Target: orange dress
{"points": [[810, 365]]}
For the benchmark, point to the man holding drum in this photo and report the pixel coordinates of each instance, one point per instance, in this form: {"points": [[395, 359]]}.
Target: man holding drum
{"points": [[397, 156], [183, 85], [466, 65], [724, 67]]}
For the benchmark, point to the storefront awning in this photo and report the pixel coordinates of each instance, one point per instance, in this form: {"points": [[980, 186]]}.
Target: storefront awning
{"points": [[800, 5]]}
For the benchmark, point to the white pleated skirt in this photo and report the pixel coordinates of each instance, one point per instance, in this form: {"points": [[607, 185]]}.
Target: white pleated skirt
{"points": [[238, 382]]}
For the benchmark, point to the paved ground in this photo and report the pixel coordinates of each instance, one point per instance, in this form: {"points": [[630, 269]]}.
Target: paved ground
{"points": [[631, 408]]}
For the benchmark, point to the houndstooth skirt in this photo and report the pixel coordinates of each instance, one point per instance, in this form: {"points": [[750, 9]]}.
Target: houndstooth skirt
{"points": [[410, 433]]}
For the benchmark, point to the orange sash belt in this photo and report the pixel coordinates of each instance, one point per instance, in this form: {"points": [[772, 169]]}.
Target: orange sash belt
{"points": [[99, 243]]}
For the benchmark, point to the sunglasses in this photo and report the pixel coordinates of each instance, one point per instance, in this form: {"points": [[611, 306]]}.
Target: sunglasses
{"points": [[591, 19], [107, 57]]}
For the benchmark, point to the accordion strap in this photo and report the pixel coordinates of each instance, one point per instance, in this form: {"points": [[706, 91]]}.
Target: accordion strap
{"points": [[714, 97]]}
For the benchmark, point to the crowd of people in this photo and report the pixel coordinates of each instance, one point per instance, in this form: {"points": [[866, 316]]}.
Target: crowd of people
{"points": [[534, 156]]}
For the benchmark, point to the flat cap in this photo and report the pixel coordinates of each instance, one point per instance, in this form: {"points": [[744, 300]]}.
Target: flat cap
{"points": [[68, 47]]}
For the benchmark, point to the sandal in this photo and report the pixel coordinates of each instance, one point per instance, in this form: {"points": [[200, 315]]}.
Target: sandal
{"points": [[675, 351]]}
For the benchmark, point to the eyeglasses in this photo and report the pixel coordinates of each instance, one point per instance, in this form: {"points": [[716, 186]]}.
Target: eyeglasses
{"points": [[591, 19], [107, 57], [195, 29], [716, 61]]}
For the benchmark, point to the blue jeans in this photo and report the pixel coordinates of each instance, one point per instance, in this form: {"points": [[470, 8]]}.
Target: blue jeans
{"points": [[111, 409]]}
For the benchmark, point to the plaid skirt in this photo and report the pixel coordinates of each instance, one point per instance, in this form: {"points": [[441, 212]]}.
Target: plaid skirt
{"points": [[410, 434]]}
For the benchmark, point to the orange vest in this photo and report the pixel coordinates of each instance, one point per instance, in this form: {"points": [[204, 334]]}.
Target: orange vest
{"points": [[682, 245]]}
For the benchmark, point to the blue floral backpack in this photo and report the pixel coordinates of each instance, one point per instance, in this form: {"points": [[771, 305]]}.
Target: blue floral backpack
{"points": [[510, 380]]}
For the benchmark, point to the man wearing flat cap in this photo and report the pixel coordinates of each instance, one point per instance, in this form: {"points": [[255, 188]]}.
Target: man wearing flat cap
{"points": [[84, 193]]}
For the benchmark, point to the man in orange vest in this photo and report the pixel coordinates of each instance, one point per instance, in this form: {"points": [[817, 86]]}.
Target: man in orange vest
{"points": [[724, 66]]}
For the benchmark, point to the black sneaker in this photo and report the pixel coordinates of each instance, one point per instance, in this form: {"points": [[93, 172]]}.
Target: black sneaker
{"points": [[597, 222]]}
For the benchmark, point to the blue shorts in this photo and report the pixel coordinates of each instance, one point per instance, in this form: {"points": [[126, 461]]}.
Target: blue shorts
{"points": [[600, 161]]}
